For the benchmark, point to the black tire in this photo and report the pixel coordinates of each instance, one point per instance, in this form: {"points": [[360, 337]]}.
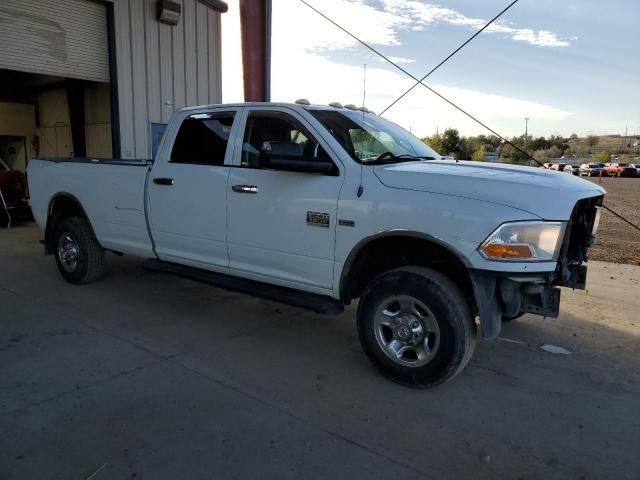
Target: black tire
{"points": [[511, 319], [89, 264], [451, 312]]}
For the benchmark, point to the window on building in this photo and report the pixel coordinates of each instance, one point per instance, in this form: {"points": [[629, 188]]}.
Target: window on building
{"points": [[277, 134], [202, 139]]}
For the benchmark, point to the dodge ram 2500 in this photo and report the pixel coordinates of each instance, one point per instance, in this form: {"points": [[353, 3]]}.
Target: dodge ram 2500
{"points": [[318, 206]]}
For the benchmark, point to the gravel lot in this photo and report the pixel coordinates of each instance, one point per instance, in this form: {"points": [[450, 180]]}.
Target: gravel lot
{"points": [[618, 242]]}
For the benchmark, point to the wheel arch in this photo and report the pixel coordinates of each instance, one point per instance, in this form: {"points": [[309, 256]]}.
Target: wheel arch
{"points": [[62, 205], [401, 248]]}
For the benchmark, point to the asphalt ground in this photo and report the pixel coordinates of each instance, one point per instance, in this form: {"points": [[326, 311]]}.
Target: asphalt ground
{"points": [[148, 376]]}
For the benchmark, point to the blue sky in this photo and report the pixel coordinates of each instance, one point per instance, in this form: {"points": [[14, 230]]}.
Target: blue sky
{"points": [[571, 66]]}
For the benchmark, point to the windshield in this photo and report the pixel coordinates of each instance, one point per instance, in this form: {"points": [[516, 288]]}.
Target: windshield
{"points": [[368, 138], [594, 165]]}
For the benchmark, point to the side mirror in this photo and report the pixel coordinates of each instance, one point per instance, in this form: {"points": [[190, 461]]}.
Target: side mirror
{"points": [[289, 156], [302, 164]]}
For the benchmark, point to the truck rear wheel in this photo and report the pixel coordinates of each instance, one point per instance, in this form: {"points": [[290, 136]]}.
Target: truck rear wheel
{"points": [[416, 327], [79, 257]]}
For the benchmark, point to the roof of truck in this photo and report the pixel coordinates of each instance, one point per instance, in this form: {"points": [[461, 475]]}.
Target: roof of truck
{"points": [[309, 106]]}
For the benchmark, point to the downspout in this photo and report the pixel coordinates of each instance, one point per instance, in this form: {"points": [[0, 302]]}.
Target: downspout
{"points": [[255, 23]]}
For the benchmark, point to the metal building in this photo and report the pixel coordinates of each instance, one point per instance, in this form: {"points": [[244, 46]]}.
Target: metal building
{"points": [[100, 78]]}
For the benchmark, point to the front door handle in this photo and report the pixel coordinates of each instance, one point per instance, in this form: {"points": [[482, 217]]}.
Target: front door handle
{"points": [[163, 181], [245, 189]]}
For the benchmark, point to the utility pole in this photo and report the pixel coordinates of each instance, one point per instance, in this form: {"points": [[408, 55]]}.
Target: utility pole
{"points": [[526, 132]]}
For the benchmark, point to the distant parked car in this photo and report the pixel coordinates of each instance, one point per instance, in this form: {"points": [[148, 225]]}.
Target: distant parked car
{"points": [[547, 165], [572, 169], [592, 170], [558, 167], [620, 170], [13, 186], [636, 166]]}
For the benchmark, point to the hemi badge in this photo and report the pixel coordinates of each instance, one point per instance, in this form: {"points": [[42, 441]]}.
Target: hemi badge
{"points": [[346, 223]]}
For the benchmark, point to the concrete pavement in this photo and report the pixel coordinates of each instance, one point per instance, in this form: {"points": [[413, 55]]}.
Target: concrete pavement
{"points": [[148, 376]]}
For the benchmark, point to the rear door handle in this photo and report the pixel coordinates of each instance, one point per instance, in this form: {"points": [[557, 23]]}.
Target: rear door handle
{"points": [[163, 181], [245, 189]]}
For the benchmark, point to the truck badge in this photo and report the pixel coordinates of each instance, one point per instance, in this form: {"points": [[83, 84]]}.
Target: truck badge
{"points": [[318, 219]]}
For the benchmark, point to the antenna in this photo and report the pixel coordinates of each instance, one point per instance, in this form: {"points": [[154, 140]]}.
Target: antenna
{"points": [[364, 109], [364, 86]]}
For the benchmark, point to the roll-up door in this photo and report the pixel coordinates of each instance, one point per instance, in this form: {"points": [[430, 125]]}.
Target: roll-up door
{"points": [[66, 38]]}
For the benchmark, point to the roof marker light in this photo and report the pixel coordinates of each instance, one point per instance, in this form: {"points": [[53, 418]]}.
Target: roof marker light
{"points": [[335, 105], [303, 101]]}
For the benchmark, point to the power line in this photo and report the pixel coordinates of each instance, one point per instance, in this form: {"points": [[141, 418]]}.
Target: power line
{"points": [[622, 218], [365, 44], [438, 94], [449, 56]]}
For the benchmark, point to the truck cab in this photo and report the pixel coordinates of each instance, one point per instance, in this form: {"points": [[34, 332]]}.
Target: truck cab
{"points": [[324, 205]]}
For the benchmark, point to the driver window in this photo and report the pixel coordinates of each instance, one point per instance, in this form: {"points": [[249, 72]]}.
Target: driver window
{"points": [[277, 134]]}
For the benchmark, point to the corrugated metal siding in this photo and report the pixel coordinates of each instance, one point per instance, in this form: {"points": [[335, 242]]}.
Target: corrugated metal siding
{"points": [[67, 38], [162, 68]]}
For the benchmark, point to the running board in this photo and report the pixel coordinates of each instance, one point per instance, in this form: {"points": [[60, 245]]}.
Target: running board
{"points": [[289, 296]]}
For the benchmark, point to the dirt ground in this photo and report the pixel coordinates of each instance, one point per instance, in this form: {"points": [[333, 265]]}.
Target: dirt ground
{"points": [[616, 241]]}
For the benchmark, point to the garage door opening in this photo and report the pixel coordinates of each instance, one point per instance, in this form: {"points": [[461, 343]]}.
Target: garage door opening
{"points": [[13, 152], [53, 117]]}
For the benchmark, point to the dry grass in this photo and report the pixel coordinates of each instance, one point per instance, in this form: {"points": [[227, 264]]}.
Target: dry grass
{"points": [[616, 241]]}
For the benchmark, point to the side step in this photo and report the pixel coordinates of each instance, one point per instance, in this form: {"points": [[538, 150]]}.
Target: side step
{"points": [[289, 296]]}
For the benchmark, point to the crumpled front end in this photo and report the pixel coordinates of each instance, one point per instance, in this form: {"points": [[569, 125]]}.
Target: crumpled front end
{"points": [[508, 295]]}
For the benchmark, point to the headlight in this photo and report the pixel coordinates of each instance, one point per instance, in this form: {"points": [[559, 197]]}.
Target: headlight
{"points": [[525, 242]]}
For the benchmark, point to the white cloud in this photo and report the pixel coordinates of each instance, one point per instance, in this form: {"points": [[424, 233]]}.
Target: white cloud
{"points": [[425, 14], [312, 32], [301, 68], [422, 112], [397, 59]]}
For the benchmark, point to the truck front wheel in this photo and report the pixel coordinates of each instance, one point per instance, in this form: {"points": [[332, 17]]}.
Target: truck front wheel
{"points": [[416, 327], [79, 257]]}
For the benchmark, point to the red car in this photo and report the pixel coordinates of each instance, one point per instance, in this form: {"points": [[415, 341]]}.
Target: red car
{"points": [[620, 170], [14, 194]]}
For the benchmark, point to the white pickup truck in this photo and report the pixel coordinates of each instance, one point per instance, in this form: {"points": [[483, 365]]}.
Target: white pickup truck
{"points": [[321, 205]]}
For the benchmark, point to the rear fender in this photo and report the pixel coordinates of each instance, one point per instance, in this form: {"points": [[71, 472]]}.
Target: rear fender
{"points": [[56, 212]]}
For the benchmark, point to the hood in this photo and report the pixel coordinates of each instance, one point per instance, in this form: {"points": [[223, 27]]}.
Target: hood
{"points": [[547, 194]]}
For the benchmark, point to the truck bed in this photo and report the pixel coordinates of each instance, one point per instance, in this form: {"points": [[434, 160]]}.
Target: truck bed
{"points": [[111, 191]]}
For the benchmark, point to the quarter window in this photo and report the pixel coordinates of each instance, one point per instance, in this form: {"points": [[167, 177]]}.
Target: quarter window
{"points": [[202, 139]]}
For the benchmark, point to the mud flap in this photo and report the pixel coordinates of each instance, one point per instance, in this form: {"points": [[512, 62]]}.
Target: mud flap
{"points": [[489, 309]]}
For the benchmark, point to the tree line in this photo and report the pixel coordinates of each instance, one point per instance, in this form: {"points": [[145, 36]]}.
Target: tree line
{"points": [[450, 142]]}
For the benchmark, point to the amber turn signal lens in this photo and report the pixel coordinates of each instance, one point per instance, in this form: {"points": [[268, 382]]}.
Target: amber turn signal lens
{"points": [[501, 250]]}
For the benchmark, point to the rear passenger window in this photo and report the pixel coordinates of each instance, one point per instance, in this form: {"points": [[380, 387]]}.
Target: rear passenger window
{"points": [[202, 139]]}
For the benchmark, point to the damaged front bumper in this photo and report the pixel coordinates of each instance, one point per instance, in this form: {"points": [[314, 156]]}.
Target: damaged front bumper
{"points": [[501, 295]]}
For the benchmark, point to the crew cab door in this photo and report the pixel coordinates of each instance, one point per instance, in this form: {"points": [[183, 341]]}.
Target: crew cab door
{"points": [[282, 222], [188, 189]]}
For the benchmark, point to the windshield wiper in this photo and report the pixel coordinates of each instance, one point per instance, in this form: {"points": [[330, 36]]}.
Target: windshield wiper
{"points": [[389, 157]]}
